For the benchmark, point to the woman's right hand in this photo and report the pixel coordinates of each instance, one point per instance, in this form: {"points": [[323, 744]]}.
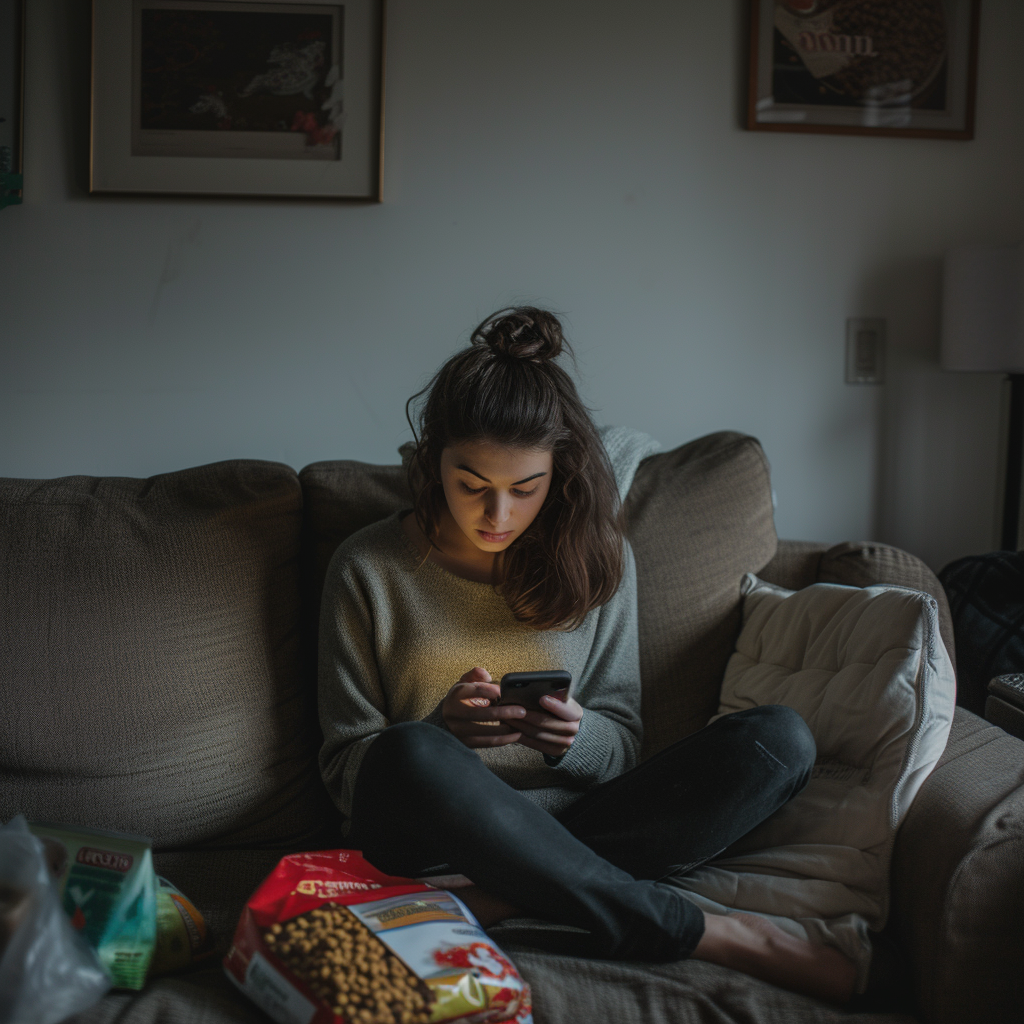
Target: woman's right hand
{"points": [[471, 712]]}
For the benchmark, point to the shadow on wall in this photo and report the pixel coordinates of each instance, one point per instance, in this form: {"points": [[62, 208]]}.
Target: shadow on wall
{"points": [[938, 434]]}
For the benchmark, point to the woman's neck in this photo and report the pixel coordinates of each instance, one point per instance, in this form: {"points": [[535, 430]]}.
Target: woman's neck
{"points": [[452, 549]]}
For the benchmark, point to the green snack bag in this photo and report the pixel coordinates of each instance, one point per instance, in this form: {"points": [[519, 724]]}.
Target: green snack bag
{"points": [[108, 888]]}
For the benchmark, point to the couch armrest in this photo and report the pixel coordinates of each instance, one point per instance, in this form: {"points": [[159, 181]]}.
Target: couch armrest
{"points": [[798, 564], [958, 879], [795, 565]]}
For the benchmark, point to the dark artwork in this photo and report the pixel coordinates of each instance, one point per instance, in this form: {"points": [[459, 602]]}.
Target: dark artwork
{"points": [[10, 102], [894, 54], [237, 71]]}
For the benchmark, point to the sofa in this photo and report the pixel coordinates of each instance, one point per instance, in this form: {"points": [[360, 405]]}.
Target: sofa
{"points": [[158, 675]]}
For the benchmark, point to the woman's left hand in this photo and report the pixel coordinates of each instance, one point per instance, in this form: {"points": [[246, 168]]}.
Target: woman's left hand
{"points": [[553, 730]]}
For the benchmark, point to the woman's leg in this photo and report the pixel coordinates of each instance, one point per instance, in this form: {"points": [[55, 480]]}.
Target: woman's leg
{"points": [[693, 799], [422, 798], [687, 803]]}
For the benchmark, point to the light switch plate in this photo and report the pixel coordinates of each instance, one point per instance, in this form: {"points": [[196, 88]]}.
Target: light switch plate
{"points": [[865, 350]]}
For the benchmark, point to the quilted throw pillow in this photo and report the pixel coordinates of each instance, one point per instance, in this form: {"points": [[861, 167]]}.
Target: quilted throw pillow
{"points": [[870, 676]]}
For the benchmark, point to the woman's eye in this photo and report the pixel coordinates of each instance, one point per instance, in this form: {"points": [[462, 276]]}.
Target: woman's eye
{"points": [[472, 490], [524, 494]]}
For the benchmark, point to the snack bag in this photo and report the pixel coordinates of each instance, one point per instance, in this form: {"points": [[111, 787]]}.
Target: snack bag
{"points": [[108, 889], [181, 935], [329, 939]]}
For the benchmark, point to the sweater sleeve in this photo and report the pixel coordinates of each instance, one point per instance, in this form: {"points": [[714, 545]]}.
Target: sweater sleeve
{"points": [[351, 699], [608, 742]]}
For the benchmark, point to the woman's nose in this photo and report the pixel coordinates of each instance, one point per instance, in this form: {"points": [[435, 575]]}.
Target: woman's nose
{"points": [[497, 511]]}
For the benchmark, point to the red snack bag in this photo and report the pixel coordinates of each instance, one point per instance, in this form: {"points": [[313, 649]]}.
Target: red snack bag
{"points": [[329, 939]]}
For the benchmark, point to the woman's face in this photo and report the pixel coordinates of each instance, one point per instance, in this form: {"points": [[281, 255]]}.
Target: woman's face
{"points": [[494, 492]]}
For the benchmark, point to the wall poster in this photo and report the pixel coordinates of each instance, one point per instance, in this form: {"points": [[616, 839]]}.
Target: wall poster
{"points": [[864, 67], [237, 97], [12, 37]]}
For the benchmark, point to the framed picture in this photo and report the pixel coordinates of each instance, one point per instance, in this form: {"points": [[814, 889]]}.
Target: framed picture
{"points": [[238, 98], [864, 67], [12, 29]]}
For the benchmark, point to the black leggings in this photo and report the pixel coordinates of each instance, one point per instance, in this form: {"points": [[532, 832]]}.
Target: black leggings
{"points": [[423, 799]]}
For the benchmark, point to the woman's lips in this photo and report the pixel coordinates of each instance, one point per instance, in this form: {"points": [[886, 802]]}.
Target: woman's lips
{"points": [[494, 538]]}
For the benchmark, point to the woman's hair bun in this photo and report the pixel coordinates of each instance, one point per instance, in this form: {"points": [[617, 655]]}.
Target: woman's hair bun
{"points": [[522, 332]]}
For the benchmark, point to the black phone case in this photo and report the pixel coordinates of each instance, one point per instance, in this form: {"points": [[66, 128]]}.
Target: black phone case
{"points": [[526, 688]]}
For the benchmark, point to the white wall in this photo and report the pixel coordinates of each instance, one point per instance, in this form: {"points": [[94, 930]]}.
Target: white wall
{"points": [[585, 157]]}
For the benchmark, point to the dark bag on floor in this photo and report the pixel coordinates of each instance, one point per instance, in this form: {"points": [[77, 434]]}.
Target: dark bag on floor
{"points": [[986, 598]]}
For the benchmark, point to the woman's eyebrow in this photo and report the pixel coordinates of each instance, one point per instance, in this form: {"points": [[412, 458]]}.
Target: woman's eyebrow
{"points": [[526, 479]]}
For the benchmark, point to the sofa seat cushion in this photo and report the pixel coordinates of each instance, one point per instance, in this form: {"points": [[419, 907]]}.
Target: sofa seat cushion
{"points": [[151, 671], [869, 674], [566, 990]]}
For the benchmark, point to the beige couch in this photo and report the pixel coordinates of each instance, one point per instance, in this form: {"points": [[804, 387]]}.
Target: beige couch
{"points": [[157, 669]]}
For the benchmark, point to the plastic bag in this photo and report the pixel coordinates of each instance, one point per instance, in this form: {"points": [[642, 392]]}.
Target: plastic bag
{"points": [[108, 888], [47, 971], [328, 939]]}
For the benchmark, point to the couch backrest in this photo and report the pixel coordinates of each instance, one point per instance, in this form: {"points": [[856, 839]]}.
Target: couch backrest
{"points": [[699, 517], [152, 671]]}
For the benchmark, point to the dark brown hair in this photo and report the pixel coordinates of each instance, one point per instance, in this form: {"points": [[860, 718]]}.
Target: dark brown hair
{"points": [[507, 389]]}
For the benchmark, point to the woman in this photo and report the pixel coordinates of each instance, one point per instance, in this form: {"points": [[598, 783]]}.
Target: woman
{"points": [[514, 559]]}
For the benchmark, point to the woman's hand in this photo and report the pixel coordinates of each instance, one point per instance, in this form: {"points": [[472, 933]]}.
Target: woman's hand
{"points": [[470, 713], [551, 731]]}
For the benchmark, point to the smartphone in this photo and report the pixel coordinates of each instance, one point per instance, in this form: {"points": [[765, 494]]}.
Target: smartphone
{"points": [[527, 688]]}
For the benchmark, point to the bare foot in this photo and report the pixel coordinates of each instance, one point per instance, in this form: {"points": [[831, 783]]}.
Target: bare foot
{"points": [[752, 944]]}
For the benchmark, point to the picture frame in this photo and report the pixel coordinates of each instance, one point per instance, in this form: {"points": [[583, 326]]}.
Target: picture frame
{"points": [[903, 68], [246, 98], [12, 93]]}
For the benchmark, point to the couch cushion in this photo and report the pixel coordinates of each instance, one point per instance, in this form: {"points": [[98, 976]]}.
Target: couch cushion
{"points": [[869, 674], [151, 671], [339, 498], [700, 517]]}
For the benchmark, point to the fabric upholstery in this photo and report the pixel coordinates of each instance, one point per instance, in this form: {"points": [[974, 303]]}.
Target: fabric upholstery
{"points": [[865, 564], [699, 517], [340, 498], [868, 673], [795, 565], [570, 989], [565, 989], [798, 564], [986, 596], [150, 662], [958, 879]]}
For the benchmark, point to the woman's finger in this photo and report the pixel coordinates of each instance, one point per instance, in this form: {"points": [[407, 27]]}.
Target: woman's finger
{"points": [[471, 712], [541, 720], [545, 736], [568, 710]]}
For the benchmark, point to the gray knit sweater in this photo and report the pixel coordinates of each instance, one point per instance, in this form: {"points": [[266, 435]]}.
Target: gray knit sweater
{"points": [[397, 631]]}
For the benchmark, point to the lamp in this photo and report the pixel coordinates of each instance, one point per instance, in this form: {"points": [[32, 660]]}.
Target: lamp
{"points": [[983, 330]]}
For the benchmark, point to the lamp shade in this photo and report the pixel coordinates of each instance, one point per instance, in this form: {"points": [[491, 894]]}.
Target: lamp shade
{"points": [[983, 309]]}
